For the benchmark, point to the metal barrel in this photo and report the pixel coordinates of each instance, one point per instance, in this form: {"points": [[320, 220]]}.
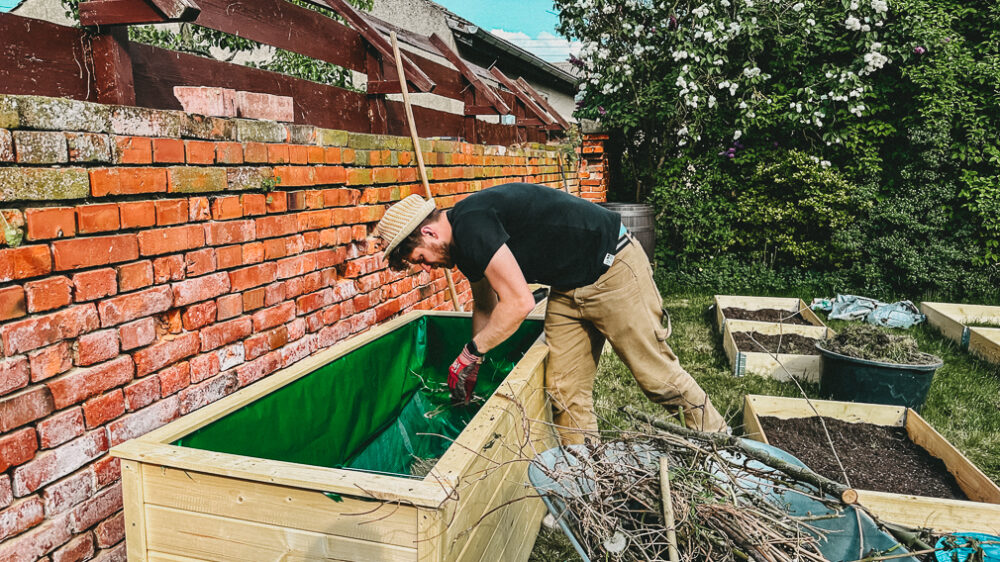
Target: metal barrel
{"points": [[639, 219]]}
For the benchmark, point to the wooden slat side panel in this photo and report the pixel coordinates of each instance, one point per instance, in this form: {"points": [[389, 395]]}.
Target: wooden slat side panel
{"points": [[751, 423], [968, 314], [232, 540], [58, 66], [939, 515], [432, 530], [135, 513], [985, 343], [976, 485], [517, 547], [784, 366], [787, 408], [164, 557], [790, 304], [280, 505], [948, 326], [775, 329], [470, 535]]}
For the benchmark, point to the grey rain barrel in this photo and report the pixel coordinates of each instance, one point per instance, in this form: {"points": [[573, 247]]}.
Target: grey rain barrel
{"points": [[639, 220]]}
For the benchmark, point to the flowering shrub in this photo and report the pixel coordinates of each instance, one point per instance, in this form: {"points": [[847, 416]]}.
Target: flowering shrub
{"points": [[896, 99]]}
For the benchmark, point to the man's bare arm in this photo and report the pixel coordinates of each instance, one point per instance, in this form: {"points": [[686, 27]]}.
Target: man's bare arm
{"points": [[514, 301], [484, 301]]}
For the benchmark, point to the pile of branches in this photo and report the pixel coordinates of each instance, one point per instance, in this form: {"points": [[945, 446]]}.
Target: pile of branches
{"points": [[616, 504]]}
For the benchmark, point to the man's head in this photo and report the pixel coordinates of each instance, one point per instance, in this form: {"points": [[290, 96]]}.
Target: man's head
{"points": [[415, 232]]}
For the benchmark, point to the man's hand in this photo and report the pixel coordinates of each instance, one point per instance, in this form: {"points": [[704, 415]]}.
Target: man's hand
{"points": [[462, 375]]}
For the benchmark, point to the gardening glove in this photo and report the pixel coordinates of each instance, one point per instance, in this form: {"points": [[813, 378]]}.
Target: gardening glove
{"points": [[463, 373]]}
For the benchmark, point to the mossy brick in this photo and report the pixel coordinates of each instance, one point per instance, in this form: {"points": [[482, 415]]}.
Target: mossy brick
{"points": [[183, 179], [144, 122], [426, 145], [301, 134], [445, 158], [400, 143], [362, 158], [194, 126], [59, 114], [332, 137], [246, 178], [446, 146], [251, 130], [6, 146], [362, 141], [40, 147], [8, 112], [40, 184], [88, 147]]}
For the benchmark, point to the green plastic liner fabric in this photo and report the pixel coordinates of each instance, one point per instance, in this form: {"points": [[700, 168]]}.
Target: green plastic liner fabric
{"points": [[377, 408]]}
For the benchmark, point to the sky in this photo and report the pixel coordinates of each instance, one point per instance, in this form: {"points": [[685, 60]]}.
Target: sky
{"points": [[530, 24]]}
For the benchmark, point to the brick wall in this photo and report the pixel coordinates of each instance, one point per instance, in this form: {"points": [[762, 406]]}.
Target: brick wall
{"points": [[161, 269], [593, 169]]}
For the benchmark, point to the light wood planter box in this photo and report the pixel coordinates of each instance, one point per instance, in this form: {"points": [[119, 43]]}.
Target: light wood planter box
{"points": [[981, 514], [956, 322], [802, 367], [189, 504], [792, 305], [985, 342]]}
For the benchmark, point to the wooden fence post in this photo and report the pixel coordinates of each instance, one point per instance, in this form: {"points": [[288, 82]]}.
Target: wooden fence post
{"points": [[113, 67]]}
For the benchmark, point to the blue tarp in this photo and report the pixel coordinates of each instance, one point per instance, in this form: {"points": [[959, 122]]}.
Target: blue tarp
{"points": [[902, 314]]}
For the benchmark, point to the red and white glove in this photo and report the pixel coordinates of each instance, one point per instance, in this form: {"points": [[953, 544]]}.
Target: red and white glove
{"points": [[463, 373]]}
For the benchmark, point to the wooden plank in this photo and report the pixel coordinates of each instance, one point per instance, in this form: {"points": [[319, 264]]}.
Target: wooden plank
{"points": [[521, 95], [113, 68], [776, 329], [940, 316], [787, 408], [985, 343], [540, 100], [976, 485], [432, 530], [378, 114], [968, 314], [784, 366], [383, 87], [751, 422], [225, 539], [939, 515], [803, 367], [56, 67], [154, 556], [484, 90], [118, 12], [135, 514], [281, 506], [178, 10], [518, 549]]}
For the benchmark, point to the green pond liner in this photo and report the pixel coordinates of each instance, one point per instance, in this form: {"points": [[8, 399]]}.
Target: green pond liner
{"points": [[874, 382], [377, 408]]}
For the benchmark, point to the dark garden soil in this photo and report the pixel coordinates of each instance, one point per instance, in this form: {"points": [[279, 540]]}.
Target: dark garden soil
{"points": [[765, 315], [878, 458], [864, 341], [784, 343]]}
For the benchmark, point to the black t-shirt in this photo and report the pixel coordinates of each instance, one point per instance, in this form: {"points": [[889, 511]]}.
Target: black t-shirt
{"points": [[557, 239]]}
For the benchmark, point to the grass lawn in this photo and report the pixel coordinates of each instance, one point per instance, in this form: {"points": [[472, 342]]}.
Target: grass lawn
{"points": [[963, 403]]}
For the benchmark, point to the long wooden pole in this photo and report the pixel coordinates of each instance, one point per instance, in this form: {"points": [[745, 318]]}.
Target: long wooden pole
{"points": [[668, 510], [420, 155]]}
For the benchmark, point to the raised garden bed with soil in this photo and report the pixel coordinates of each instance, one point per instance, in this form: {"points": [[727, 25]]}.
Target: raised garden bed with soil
{"points": [[797, 354], [955, 321], [316, 461], [790, 311], [871, 460]]}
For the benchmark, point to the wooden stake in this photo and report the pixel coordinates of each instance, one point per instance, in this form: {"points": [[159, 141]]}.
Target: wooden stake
{"points": [[668, 511], [420, 155]]}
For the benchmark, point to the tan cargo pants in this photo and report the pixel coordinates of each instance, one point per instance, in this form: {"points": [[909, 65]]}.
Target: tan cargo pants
{"points": [[625, 307]]}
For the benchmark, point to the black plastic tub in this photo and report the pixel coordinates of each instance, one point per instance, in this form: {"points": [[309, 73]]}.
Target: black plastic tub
{"points": [[860, 380]]}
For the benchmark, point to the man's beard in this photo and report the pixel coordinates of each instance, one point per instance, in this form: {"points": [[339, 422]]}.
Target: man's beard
{"points": [[444, 249]]}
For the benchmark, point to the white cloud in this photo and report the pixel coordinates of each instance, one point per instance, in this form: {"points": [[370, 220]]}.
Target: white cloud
{"points": [[546, 46]]}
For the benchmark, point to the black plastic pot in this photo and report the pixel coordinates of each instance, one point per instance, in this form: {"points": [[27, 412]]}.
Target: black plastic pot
{"points": [[860, 380]]}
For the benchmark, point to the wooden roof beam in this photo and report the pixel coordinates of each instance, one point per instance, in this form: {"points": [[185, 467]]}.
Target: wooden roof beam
{"points": [[542, 102], [469, 75], [521, 95], [128, 12]]}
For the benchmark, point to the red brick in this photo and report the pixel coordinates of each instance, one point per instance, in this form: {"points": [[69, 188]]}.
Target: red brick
{"points": [[254, 299], [314, 301], [16, 448], [50, 222], [13, 374], [168, 151], [143, 421], [229, 152], [171, 211], [37, 542], [315, 154], [39, 331], [253, 276], [140, 180], [48, 294], [225, 208], [167, 352], [220, 334], [359, 176], [229, 256], [275, 293], [298, 154], [230, 232], [133, 150], [110, 531], [170, 240], [200, 262], [386, 175], [24, 407], [259, 344], [96, 347], [135, 305], [80, 548], [277, 153], [200, 288], [95, 284], [278, 225], [135, 275], [137, 334], [199, 315], [137, 214], [88, 252], [255, 152], [102, 409], [80, 384], [229, 306], [60, 428], [277, 202], [328, 175], [174, 378], [199, 209], [12, 303], [142, 393], [200, 152], [21, 516], [73, 490], [107, 470], [274, 316], [97, 218], [96, 509], [296, 266], [168, 268], [50, 361], [253, 204], [253, 252]]}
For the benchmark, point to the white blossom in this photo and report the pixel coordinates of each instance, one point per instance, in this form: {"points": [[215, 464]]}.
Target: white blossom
{"points": [[737, 134], [700, 11], [825, 163], [854, 5], [711, 101], [852, 23], [880, 6], [798, 7], [751, 72]]}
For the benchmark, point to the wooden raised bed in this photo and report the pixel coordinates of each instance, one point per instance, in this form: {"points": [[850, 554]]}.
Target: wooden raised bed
{"points": [[803, 367], [955, 321], [792, 305], [985, 342], [194, 504], [981, 514]]}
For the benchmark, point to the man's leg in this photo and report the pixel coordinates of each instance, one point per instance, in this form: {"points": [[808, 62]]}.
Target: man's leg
{"points": [[626, 306], [574, 350]]}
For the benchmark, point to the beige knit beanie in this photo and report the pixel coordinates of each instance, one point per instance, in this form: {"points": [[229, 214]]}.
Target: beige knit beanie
{"points": [[399, 220]]}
